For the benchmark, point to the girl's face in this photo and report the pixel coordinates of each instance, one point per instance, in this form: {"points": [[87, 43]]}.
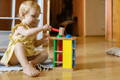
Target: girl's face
{"points": [[31, 17]]}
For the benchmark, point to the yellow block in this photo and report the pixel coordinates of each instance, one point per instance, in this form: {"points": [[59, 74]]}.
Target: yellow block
{"points": [[67, 54]]}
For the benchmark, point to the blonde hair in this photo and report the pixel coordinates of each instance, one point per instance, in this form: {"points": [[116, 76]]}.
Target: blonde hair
{"points": [[26, 6]]}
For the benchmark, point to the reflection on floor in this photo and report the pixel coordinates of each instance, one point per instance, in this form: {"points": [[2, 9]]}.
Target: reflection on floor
{"points": [[92, 64]]}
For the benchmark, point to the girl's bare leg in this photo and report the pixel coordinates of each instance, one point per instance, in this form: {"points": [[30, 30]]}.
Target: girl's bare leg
{"points": [[27, 67], [13, 60], [40, 58]]}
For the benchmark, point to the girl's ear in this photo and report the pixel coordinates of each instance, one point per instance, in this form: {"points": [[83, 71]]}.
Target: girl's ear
{"points": [[18, 15]]}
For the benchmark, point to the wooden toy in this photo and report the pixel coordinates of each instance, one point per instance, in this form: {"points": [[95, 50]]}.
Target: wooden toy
{"points": [[68, 51]]}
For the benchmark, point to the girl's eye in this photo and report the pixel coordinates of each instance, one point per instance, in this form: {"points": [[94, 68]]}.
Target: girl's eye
{"points": [[33, 16]]}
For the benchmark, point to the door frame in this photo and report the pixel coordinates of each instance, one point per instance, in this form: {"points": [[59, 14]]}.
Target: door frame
{"points": [[109, 20]]}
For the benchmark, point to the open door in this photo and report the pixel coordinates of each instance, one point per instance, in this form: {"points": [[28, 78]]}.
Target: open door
{"points": [[77, 11]]}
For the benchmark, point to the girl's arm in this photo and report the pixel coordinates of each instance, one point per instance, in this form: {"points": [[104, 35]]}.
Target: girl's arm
{"points": [[32, 31], [40, 42], [43, 40]]}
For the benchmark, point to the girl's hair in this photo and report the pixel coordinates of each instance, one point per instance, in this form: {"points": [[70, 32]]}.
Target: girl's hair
{"points": [[26, 6]]}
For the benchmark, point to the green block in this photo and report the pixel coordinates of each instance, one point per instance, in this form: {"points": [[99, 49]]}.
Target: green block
{"points": [[55, 53]]}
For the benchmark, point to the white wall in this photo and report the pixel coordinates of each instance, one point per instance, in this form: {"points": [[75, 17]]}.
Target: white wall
{"points": [[95, 17], [40, 2]]}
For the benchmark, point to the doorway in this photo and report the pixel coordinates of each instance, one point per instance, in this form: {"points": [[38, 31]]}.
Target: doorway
{"points": [[95, 17], [61, 15]]}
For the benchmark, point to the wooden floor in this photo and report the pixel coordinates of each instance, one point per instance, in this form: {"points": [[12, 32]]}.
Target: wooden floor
{"points": [[92, 64]]}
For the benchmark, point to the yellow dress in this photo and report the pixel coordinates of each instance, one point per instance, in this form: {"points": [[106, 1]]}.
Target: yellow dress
{"points": [[28, 43]]}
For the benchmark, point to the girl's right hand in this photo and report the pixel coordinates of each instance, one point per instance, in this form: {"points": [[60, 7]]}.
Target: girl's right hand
{"points": [[47, 27]]}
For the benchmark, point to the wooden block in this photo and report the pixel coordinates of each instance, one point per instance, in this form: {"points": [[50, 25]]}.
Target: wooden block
{"points": [[54, 52], [67, 54], [62, 38], [60, 49]]}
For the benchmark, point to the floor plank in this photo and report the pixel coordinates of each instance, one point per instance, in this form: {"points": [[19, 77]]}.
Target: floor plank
{"points": [[92, 64]]}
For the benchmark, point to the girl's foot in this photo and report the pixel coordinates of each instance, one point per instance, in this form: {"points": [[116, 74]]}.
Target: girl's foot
{"points": [[31, 71], [3, 64]]}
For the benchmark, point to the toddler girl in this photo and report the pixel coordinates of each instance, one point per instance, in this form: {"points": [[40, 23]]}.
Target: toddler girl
{"points": [[21, 48]]}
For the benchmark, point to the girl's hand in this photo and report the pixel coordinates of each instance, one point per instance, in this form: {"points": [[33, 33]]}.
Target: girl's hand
{"points": [[47, 27]]}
